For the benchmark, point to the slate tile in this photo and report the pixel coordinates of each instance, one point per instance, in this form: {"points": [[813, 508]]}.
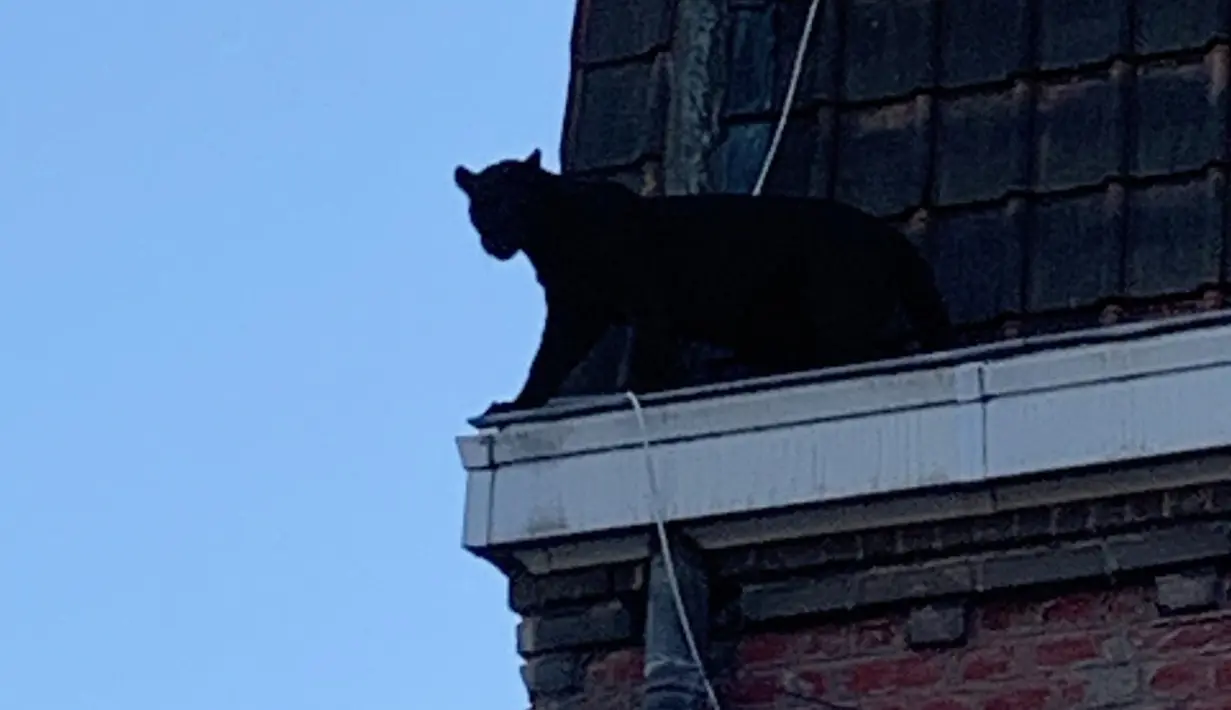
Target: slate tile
{"points": [[883, 156], [1075, 250], [983, 40], [983, 145], [977, 258], [818, 77], [1172, 25], [889, 48], [737, 161], [1175, 236], [751, 78], [1076, 32], [618, 29], [1079, 132], [1181, 113], [823, 177], [801, 163], [617, 116]]}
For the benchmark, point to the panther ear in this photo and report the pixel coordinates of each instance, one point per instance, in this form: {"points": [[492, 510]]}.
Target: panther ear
{"points": [[535, 160], [464, 179]]}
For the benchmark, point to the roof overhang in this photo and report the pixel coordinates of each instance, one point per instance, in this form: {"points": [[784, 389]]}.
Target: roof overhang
{"points": [[919, 438]]}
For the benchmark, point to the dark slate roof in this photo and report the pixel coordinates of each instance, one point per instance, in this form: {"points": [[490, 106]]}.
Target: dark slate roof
{"points": [[1058, 160]]}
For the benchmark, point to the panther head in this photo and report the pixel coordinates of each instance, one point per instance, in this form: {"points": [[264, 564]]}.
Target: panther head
{"points": [[502, 202]]}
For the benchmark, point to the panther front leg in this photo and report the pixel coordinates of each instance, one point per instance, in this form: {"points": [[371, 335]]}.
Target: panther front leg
{"points": [[569, 333]]}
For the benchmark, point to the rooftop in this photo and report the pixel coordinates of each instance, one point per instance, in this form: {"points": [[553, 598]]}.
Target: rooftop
{"points": [[760, 460]]}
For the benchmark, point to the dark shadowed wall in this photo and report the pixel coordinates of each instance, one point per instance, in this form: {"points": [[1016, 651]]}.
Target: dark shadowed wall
{"points": [[1062, 162]]}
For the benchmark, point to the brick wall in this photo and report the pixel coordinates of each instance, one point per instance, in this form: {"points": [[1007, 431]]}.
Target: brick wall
{"points": [[1102, 602], [1085, 648], [1104, 648]]}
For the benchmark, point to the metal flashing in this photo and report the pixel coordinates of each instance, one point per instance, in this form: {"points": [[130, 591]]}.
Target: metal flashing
{"points": [[1121, 395]]}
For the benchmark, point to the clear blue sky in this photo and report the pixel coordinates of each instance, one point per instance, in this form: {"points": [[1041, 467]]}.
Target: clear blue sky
{"points": [[242, 317]]}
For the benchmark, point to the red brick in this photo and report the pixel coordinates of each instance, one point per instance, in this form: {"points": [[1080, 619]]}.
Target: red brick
{"points": [[882, 675], [811, 683], [1011, 616], [749, 689], [890, 704], [623, 667], [1020, 699], [1209, 635], [985, 664], [1071, 692], [766, 649], [878, 635], [1131, 605], [1181, 678], [1081, 610], [827, 642], [1067, 650], [1222, 674], [1087, 610], [768, 686]]}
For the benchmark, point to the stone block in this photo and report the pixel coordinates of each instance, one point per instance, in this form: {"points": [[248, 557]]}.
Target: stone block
{"points": [[890, 584], [1079, 131], [983, 40], [618, 29], [1042, 567], [1076, 250], [553, 674], [933, 625], [1033, 523], [1181, 115], [983, 146], [529, 593], [1111, 686], [1187, 592], [1175, 236], [1167, 547], [606, 623], [1077, 32], [888, 48], [780, 600], [883, 156], [618, 116], [977, 258], [1174, 25]]}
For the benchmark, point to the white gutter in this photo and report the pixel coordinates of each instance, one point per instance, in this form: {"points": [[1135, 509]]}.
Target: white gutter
{"points": [[1001, 411]]}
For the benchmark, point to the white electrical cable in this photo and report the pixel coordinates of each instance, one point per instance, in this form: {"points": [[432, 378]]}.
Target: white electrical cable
{"points": [[789, 98], [668, 560], [659, 525]]}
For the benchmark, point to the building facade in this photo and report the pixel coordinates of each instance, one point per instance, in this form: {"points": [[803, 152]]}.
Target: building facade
{"points": [[1037, 519]]}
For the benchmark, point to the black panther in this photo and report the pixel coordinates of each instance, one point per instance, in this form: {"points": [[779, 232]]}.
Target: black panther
{"points": [[784, 283]]}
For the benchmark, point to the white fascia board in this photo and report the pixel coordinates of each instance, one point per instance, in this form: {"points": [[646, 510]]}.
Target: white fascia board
{"points": [[1021, 408]]}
